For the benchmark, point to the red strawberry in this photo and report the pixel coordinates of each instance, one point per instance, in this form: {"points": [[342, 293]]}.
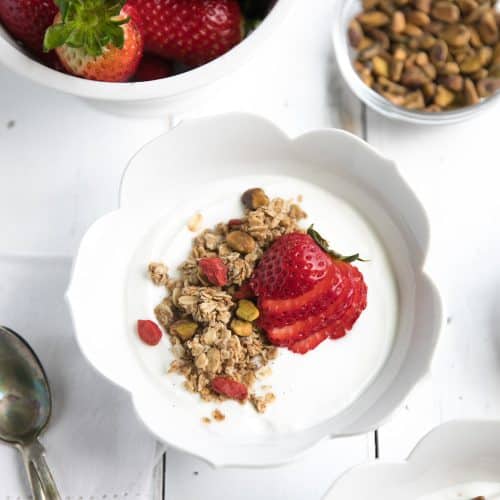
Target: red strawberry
{"points": [[309, 343], [190, 31], [290, 267], [27, 20], [152, 67], [230, 388], [97, 39]]}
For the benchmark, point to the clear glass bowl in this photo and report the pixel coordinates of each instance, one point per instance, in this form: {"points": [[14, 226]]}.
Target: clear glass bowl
{"points": [[345, 10]]}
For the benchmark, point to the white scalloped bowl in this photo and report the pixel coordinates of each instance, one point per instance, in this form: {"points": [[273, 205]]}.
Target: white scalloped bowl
{"points": [[456, 461], [218, 157]]}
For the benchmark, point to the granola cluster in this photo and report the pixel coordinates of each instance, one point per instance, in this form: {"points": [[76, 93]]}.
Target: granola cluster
{"points": [[211, 327]]}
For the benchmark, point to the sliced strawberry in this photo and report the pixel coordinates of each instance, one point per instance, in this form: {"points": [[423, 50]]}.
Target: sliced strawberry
{"points": [[309, 343], [285, 335], [281, 312]]}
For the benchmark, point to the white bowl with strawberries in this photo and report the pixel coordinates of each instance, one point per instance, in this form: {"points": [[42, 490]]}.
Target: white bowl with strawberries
{"points": [[136, 57], [211, 296]]}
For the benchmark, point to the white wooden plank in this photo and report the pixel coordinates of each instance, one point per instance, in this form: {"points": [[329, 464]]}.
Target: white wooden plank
{"points": [[308, 478], [455, 172]]}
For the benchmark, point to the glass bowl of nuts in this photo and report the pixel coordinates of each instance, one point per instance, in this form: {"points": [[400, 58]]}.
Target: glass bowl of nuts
{"points": [[421, 61]]}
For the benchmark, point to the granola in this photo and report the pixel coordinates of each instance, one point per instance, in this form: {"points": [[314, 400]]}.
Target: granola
{"points": [[212, 333]]}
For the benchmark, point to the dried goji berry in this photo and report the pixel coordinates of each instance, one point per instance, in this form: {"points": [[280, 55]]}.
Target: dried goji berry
{"points": [[149, 332], [234, 223], [214, 270], [230, 388], [244, 292]]}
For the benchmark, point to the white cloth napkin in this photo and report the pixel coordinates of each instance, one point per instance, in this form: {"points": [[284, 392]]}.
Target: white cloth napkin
{"points": [[96, 446]]}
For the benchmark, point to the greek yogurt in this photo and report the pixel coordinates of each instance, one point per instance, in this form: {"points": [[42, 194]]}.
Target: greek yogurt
{"points": [[311, 388]]}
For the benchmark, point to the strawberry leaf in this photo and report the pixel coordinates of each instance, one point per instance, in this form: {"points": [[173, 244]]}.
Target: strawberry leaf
{"points": [[323, 244], [90, 25]]}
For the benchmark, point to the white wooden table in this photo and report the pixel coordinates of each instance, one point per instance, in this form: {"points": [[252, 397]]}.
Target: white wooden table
{"points": [[60, 166]]}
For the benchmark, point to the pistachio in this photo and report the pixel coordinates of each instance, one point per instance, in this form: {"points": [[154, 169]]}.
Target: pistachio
{"points": [[254, 198], [480, 74], [414, 77], [488, 28], [475, 39], [457, 35], [247, 310], [443, 97], [396, 70], [400, 54], [446, 12], [426, 41], [355, 34], [398, 23], [418, 18], [240, 241], [434, 28], [467, 6], [488, 86], [370, 52], [449, 68], [413, 31], [430, 70], [439, 52], [476, 14], [241, 328], [423, 5], [381, 37], [452, 82], [471, 64], [485, 55], [373, 19], [184, 329], [415, 100], [429, 90], [470, 92], [380, 66]]}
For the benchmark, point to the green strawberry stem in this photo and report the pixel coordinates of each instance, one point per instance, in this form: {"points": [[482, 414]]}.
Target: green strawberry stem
{"points": [[326, 247], [87, 24]]}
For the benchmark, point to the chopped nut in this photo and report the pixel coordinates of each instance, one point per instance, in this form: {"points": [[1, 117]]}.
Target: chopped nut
{"points": [[184, 329], [254, 198], [247, 310], [241, 242], [194, 223], [241, 328]]}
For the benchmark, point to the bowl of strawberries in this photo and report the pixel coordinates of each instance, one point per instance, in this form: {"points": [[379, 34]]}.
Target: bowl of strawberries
{"points": [[138, 57]]}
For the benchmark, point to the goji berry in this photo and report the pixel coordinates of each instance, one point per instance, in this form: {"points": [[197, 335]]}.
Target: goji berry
{"points": [[149, 332], [230, 388], [244, 292], [234, 223], [214, 270]]}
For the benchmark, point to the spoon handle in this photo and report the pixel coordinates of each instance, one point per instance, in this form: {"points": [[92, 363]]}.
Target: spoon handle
{"points": [[41, 480]]}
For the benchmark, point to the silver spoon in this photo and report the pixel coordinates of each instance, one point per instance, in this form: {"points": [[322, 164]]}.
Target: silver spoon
{"points": [[25, 407]]}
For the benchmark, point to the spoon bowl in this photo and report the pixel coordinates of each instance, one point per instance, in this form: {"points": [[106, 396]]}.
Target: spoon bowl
{"points": [[25, 408]]}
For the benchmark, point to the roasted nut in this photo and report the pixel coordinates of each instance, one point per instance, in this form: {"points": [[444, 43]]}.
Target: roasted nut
{"points": [[496, 54], [355, 34], [254, 198], [370, 4], [415, 100], [365, 43], [457, 35], [485, 55], [470, 92], [433, 108], [183, 328], [241, 328], [443, 97], [429, 90], [396, 70], [387, 6], [434, 28], [379, 36], [488, 86], [467, 6], [380, 66], [439, 52], [414, 77], [494, 71], [426, 41], [452, 82], [423, 5], [418, 18], [398, 23], [476, 14], [446, 12], [400, 54], [247, 310], [475, 39], [480, 74], [430, 70], [422, 59], [373, 19], [471, 64], [413, 31], [240, 241], [370, 52], [488, 29], [449, 68]]}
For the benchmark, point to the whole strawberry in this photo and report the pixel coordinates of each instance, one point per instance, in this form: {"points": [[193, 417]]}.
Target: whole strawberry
{"points": [[96, 39], [27, 20], [192, 32]]}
